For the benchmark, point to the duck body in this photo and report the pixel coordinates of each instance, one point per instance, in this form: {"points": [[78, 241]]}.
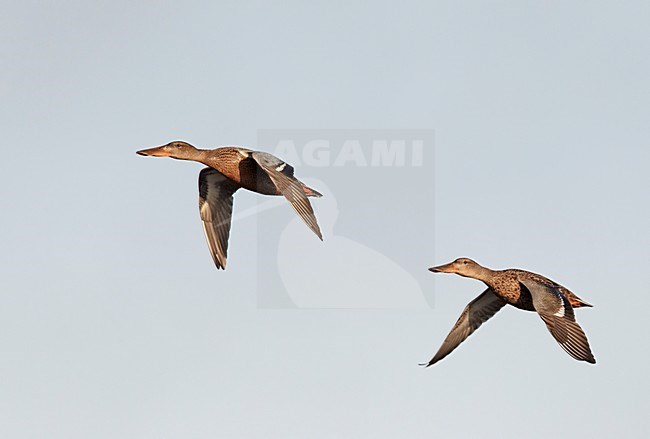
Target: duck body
{"points": [[524, 290], [229, 169], [238, 165], [507, 285]]}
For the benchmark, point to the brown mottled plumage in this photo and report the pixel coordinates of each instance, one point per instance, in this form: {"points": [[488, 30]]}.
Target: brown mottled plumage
{"points": [[521, 289], [231, 168]]}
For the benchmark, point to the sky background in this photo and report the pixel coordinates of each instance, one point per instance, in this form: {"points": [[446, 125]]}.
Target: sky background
{"points": [[114, 321]]}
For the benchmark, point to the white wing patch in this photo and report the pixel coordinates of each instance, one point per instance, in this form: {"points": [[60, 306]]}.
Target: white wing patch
{"points": [[244, 152]]}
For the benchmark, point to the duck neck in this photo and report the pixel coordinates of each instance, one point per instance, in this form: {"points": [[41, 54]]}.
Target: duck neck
{"points": [[483, 274], [197, 155]]}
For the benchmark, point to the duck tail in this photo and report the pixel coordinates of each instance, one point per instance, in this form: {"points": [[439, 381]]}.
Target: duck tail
{"points": [[577, 302], [574, 300], [312, 192]]}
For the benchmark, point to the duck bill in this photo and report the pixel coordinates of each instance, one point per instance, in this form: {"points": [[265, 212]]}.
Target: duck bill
{"points": [[158, 151], [446, 268]]}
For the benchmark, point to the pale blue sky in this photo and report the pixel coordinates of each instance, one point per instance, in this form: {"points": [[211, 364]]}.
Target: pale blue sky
{"points": [[113, 320]]}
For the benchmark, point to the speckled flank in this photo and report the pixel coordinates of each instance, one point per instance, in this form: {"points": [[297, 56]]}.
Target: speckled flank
{"points": [[239, 166], [506, 284]]}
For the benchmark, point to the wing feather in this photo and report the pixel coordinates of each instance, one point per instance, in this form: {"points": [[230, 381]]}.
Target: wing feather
{"points": [[293, 190], [215, 206], [556, 311], [474, 315]]}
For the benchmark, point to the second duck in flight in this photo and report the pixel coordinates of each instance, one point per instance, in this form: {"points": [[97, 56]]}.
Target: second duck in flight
{"points": [[523, 290], [231, 168]]}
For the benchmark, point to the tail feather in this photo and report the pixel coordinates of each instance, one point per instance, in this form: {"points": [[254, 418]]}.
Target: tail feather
{"points": [[574, 300], [580, 303], [312, 192]]}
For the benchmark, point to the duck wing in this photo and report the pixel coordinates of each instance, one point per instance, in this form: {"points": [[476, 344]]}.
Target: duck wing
{"points": [[474, 315], [557, 313], [215, 205], [293, 190]]}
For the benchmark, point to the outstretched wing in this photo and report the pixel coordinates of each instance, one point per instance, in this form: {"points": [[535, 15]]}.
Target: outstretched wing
{"points": [[293, 190], [557, 313], [215, 206], [474, 315]]}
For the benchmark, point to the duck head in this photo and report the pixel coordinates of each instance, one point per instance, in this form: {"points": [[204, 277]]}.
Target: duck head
{"points": [[461, 266], [176, 150]]}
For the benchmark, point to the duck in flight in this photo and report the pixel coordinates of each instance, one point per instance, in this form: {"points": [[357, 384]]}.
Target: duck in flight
{"points": [[521, 289], [228, 169]]}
